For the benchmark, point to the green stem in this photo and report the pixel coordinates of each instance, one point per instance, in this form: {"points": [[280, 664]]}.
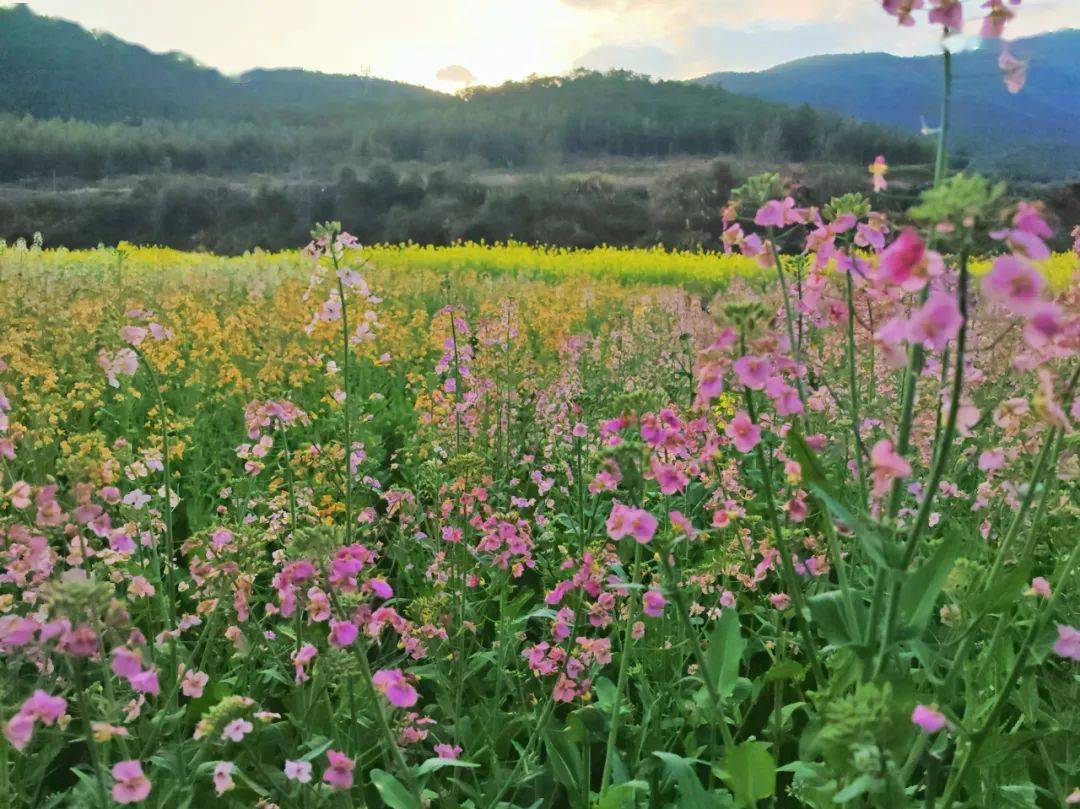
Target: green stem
{"points": [[791, 579], [624, 670], [942, 454], [1041, 465], [980, 736], [789, 322], [853, 383], [941, 160], [347, 365], [695, 647]]}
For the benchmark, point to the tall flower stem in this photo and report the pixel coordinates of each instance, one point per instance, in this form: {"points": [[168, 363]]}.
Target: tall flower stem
{"points": [[346, 370], [790, 577], [392, 750], [980, 736], [789, 321], [853, 383], [941, 159], [1041, 464], [91, 742], [695, 647], [941, 458], [916, 354], [169, 562], [624, 670]]}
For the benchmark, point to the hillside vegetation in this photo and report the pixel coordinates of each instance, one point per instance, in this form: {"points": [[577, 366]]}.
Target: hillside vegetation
{"points": [[1033, 134], [80, 104]]}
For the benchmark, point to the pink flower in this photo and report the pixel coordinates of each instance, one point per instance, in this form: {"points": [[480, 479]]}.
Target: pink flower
{"points": [[1013, 70], [1044, 323], [796, 509], [780, 601], [670, 477], [901, 9], [1014, 284], [727, 599], [193, 683], [19, 730], [744, 433], [381, 588], [339, 774], [618, 522], [221, 537], [146, 682], [1039, 587], [298, 771], [43, 707], [682, 523], [777, 213], [133, 334], [878, 170], [626, 521], [397, 689], [1068, 642], [991, 460], [907, 263], [448, 752], [652, 603], [994, 22], [936, 322], [342, 633], [125, 662], [753, 372], [930, 720], [642, 525], [236, 730], [947, 13], [785, 397], [131, 785], [886, 465], [223, 777]]}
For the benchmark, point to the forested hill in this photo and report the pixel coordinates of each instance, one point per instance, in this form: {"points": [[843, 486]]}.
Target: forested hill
{"points": [[1034, 133], [55, 68], [99, 106]]}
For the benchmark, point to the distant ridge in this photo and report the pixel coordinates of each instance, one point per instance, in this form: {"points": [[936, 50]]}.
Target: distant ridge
{"points": [[74, 102], [52, 68], [1034, 133]]}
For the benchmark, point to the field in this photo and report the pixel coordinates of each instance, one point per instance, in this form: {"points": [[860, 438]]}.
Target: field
{"points": [[490, 526]]}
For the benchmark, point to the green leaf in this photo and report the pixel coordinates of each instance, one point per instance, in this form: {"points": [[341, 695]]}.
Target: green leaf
{"points": [[437, 763], [875, 539], [860, 786], [681, 771], [565, 760], [922, 587], [812, 470], [1017, 795], [392, 791], [1003, 592], [622, 796], [751, 773], [829, 614], [726, 646], [785, 670]]}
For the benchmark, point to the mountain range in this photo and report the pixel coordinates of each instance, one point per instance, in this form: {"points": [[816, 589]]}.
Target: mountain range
{"points": [[1034, 133], [55, 70]]}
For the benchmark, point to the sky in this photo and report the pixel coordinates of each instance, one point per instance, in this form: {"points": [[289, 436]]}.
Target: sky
{"points": [[445, 44]]}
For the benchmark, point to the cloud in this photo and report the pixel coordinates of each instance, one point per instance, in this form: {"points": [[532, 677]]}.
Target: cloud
{"points": [[648, 59], [604, 5], [455, 74]]}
